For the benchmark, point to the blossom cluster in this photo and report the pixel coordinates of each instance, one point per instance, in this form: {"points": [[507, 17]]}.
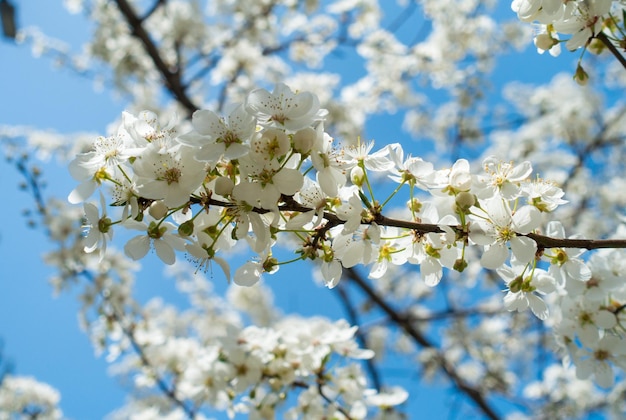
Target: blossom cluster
{"points": [[581, 20], [233, 354], [269, 171], [251, 370], [24, 397]]}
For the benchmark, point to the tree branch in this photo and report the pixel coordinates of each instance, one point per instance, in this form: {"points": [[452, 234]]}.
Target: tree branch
{"points": [[353, 319], [170, 393], [171, 78], [543, 242], [417, 336], [607, 43]]}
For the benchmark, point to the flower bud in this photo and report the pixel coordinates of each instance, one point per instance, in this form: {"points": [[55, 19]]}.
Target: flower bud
{"points": [[545, 42], [186, 228], [357, 176], [158, 210], [303, 140], [464, 200], [460, 265], [414, 205], [224, 186], [581, 77]]}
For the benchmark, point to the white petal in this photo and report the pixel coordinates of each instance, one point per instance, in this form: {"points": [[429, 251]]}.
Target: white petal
{"points": [[431, 272], [331, 272], [327, 182], [288, 181], [584, 369], [526, 219], [523, 248], [605, 319], [555, 229], [353, 255], [223, 265], [137, 247], [538, 306], [577, 270], [494, 256], [605, 377], [248, 274], [165, 252], [521, 171], [378, 269], [82, 192]]}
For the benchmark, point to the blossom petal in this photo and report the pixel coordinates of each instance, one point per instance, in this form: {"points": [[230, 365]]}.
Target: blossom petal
{"points": [[494, 256], [165, 252], [137, 247], [523, 248]]}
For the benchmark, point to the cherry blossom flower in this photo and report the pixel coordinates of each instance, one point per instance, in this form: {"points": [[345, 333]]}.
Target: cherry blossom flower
{"points": [[282, 107], [351, 213], [171, 176], [159, 236], [331, 173], [145, 129], [311, 196], [543, 195], [503, 178], [433, 251], [22, 396], [414, 170], [606, 267], [214, 138], [548, 40], [204, 253], [94, 167], [596, 360], [585, 23], [523, 288], [359, 154], [100, 229], [454, 180], [529, 10], [496, 225], [265, 180], [356, 247], [565, 264], [389, 252], [585, 319]]}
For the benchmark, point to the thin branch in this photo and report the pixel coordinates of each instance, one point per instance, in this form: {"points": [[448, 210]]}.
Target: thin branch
{"points": [[171, 78], [153, 9], [455, 313], [607, 43], [34, 186], [543, 242], [353, 319], [320, 382], [405, 324], [320, 390], [170, 393]]}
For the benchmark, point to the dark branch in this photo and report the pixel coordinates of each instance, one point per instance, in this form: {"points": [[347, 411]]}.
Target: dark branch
{"points": [[353, 319], [171, 78], [405, 324], [543, 242], [607, 43]]}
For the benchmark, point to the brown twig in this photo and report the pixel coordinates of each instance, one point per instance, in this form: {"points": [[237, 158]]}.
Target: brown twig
{"points": [[405, 324], [607, 43], [543, 242], [171, 78]]}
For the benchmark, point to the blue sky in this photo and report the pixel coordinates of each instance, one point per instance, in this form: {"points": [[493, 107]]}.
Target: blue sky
{"points": [[41, 333]]}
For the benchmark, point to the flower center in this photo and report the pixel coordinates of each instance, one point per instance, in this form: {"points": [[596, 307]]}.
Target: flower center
{"points": [[172, 175]]}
